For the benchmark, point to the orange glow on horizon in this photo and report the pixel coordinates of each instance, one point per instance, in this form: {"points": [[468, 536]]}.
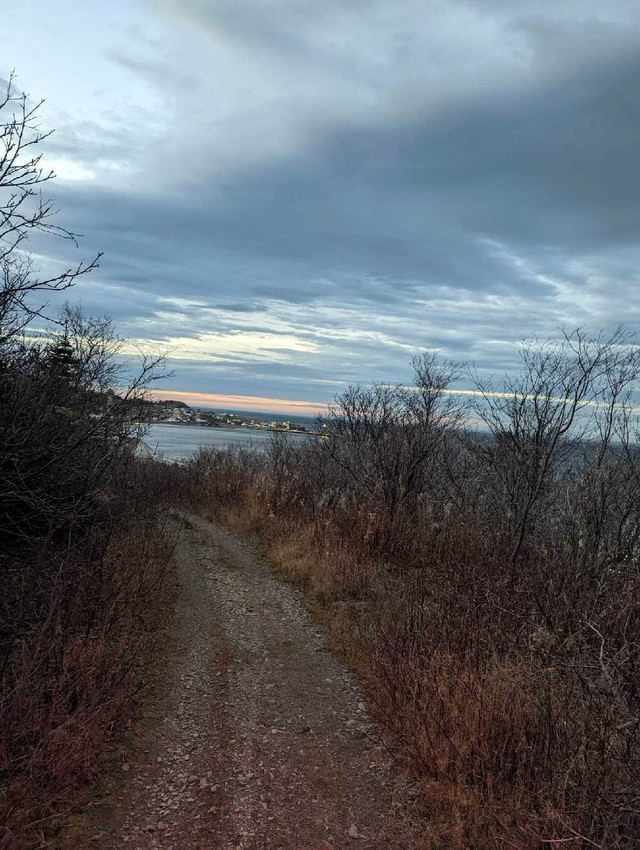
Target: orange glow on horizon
{"points": [[241, 402]]}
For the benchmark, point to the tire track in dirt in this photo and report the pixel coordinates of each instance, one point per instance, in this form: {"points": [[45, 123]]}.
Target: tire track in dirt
{"points": [[262, 739]]}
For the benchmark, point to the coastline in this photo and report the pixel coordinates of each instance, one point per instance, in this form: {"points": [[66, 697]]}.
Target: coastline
{"points": [[231, 427]]}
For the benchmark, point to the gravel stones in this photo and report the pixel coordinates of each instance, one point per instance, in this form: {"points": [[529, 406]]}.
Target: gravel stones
{"points": [[262, 739]]}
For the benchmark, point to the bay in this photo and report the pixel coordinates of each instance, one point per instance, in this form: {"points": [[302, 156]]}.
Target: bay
{"points": [[179, 442]]}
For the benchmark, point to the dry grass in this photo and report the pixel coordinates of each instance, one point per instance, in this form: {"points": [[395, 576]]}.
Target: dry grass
{"points": [[512, 695], [74, 666]]}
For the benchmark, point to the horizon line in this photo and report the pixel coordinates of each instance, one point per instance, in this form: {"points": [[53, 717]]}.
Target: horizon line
{"points": [[241, 402]]}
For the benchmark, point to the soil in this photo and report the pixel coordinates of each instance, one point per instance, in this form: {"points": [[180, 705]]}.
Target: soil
{"points": [[259, 738]]}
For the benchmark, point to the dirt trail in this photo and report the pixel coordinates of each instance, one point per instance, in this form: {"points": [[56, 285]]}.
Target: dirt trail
{"points": [[262, 739]]}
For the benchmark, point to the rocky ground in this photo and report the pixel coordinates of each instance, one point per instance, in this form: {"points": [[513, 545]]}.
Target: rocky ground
{"points": [[260, 738]]}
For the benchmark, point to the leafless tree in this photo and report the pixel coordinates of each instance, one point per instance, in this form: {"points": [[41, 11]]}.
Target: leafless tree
{"points": [[24, 210], [387, 439], [500, 636], [568, 394]]}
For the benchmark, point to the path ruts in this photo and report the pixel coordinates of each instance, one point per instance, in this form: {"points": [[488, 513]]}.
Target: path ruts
{"points": [[262, 739]]}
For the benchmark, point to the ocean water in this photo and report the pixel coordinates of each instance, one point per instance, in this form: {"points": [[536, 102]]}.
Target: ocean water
{"points": [[178, 442]]}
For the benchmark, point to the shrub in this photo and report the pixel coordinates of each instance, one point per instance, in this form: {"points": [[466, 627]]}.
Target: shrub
{"points": [[491, 584]]}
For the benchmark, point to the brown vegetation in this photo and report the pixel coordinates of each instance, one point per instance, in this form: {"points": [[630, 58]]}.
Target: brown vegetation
{"points": [[487, 583], [83, 557], [83, 621]]}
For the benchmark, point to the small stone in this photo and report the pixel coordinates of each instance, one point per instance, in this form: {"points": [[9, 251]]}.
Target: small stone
{"points": [[353, 831], [161, 825]]}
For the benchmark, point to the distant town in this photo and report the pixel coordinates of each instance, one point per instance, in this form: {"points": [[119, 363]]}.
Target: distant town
{"points": [[173, 412]]}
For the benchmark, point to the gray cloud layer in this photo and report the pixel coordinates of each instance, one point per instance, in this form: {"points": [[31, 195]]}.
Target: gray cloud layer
{"points": [[327, 188]]}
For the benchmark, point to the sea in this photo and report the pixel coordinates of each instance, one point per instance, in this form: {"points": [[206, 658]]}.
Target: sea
{"points": [[172, 442]]}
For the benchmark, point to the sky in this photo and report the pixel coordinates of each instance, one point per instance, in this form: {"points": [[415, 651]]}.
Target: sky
{"points": [[293, 196]]}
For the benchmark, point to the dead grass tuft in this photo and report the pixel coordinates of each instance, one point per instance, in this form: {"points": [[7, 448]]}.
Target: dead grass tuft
{"points": [[511, 693]]}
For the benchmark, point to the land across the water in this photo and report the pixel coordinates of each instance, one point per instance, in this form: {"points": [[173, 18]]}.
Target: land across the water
{"points": [[174, 431], [234, 426], [179, 413]]}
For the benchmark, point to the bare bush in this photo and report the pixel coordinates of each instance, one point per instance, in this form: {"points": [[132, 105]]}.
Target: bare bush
{"points": [[90, 618], [84, 557], [487, 584], [569, 393]]}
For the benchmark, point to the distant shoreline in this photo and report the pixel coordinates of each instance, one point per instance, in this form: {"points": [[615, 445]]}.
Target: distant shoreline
{"points": [[229, 427]]}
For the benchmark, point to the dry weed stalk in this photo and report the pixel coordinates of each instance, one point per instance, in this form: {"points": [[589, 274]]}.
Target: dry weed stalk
{"points": [[491, 582]]}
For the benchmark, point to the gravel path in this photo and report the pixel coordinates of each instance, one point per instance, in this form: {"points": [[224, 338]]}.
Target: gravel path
{"points": [[262, 739]]}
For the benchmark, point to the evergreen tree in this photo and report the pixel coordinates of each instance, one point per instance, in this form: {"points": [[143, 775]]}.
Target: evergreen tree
{"points": [[61, 359]]}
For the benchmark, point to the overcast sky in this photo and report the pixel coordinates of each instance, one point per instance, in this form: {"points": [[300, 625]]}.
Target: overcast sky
{"points": [[296, 195]]}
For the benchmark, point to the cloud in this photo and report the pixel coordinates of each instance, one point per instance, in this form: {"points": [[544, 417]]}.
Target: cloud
{"points": [[233, 403], [301, 195]]}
